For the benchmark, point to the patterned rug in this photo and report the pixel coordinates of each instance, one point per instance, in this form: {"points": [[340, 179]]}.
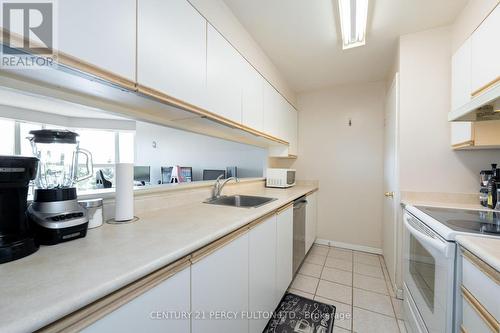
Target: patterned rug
{"points": [[296, 314]]}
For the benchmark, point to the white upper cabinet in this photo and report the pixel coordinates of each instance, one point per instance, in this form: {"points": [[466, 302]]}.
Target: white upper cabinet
{"points": [[99, 32], [461, 76], [292, 129], [171, 49], [219, 282], [253, 98], [273, 112], [171, 295], [224, 79], [486, 52], [262, 272], [284, 252]]}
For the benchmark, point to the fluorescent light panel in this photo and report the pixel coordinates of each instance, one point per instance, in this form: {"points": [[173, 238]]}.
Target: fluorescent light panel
{"points": [[353, 17]]}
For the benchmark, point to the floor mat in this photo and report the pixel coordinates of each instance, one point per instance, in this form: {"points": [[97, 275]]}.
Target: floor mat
{"points": [[296, 314]]}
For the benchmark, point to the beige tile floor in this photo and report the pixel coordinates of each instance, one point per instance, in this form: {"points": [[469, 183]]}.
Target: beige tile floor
{"points": [[356, 283]]}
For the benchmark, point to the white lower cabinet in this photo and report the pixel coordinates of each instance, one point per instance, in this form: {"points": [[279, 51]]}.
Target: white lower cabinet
{"points": [[149, 312], [219, 287], [311, 219], [284, 252], [262, 273]]}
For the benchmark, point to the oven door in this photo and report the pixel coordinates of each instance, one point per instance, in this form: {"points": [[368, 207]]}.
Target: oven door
{"points": [[429, 263]]}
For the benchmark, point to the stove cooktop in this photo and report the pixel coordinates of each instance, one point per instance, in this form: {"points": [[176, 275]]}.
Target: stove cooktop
{"points": [[471, 221]]}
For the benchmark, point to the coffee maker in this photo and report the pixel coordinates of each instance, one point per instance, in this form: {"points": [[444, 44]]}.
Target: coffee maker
{"points": [[16, 238], [55, 213]]}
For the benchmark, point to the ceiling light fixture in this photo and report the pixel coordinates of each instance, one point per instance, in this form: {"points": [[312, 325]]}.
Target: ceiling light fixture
{"points": [[353, 17]]}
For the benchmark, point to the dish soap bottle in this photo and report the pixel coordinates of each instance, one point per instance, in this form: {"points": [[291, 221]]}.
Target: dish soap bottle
{"points": [[492, 187]]}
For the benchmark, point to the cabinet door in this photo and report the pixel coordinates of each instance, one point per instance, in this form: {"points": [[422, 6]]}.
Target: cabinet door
{"points": [[486, 51], [461, 76], [292, 129], [262, 271], [461, 133], [143, 314], [100, 32], [171, 49], [272, 111], [219, 282], [311, 220], [284, 252], [252, 98], [224, 79]]}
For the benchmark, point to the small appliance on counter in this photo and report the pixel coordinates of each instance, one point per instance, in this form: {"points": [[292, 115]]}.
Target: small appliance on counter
{"points": [[16, 238], [94, 211], [55, 213], [484, 178], [280, 178]]}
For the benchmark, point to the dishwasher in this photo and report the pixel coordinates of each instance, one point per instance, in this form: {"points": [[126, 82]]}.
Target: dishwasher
{"points": [[299, 232]]}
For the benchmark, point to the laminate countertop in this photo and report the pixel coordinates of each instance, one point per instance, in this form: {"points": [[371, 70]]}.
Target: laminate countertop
{"points": [[58, 280], [485, 248]]}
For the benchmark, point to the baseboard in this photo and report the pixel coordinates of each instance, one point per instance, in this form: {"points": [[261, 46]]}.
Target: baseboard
{"points": [[355, 247]]}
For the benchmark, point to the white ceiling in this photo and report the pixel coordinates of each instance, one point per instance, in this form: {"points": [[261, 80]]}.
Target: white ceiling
{"points": [[302, 36]]}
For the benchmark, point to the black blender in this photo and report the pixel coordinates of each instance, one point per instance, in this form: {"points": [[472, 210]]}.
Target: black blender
{"points": [[16, 238], [55, 213]]}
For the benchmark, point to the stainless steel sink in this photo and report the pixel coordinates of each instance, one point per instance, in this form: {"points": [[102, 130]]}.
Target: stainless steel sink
{"points": [[245, 201]]}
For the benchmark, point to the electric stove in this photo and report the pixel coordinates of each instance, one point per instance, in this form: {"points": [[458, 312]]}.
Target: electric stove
{"points": [[466, 221]]}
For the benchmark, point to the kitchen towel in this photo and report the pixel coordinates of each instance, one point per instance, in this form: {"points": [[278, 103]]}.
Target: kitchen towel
{"points": [[124, 196]]}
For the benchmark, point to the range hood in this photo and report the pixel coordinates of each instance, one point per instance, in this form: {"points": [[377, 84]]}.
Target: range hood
{"points": [[484, 107]]}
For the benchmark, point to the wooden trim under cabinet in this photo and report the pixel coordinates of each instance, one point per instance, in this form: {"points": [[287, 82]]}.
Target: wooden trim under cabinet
{"points": [[76, 64], [105, 75], [204, 113], [485, 87], [489, 271], [283, 208], [480, 310], [463, 329], [214, 246], [91, 313]]}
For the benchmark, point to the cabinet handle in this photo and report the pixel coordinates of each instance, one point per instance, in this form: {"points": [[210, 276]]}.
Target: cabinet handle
{"points": [[485, 87], [389, 194]]}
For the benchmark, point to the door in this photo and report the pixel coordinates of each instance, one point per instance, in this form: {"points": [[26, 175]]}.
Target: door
{"points": [[171, 49], [429, 263], [100, 32], [219, 289], [262, 272], [149, 312], [284, 252], [391, 234]]}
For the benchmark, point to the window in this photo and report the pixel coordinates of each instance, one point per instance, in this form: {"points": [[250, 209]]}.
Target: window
{"points": [[24, 132], [7, 129], [106, 146]]}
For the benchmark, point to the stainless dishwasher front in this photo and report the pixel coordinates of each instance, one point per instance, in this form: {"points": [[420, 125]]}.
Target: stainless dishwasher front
{"points": [[299, 232]]}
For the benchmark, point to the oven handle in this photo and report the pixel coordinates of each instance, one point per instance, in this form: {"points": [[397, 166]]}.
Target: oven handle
{"points": [[437, 244]]}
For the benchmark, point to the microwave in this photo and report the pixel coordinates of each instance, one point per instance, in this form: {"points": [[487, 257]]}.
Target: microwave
{"points": [[281, 178]]}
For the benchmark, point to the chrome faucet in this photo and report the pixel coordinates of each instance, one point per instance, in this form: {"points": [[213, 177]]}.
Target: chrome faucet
{"points": [[218, 186]]}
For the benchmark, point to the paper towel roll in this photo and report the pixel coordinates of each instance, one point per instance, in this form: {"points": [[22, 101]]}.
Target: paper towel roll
{"points": [[124, 198]]}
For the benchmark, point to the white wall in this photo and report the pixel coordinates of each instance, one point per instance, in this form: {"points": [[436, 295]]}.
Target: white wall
{"points": [[176, 147], [347, 161], [427, 162], [222, 18]]}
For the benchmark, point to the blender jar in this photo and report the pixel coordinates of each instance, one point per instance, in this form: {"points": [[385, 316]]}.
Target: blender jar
{"points": [[58, 152]]}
